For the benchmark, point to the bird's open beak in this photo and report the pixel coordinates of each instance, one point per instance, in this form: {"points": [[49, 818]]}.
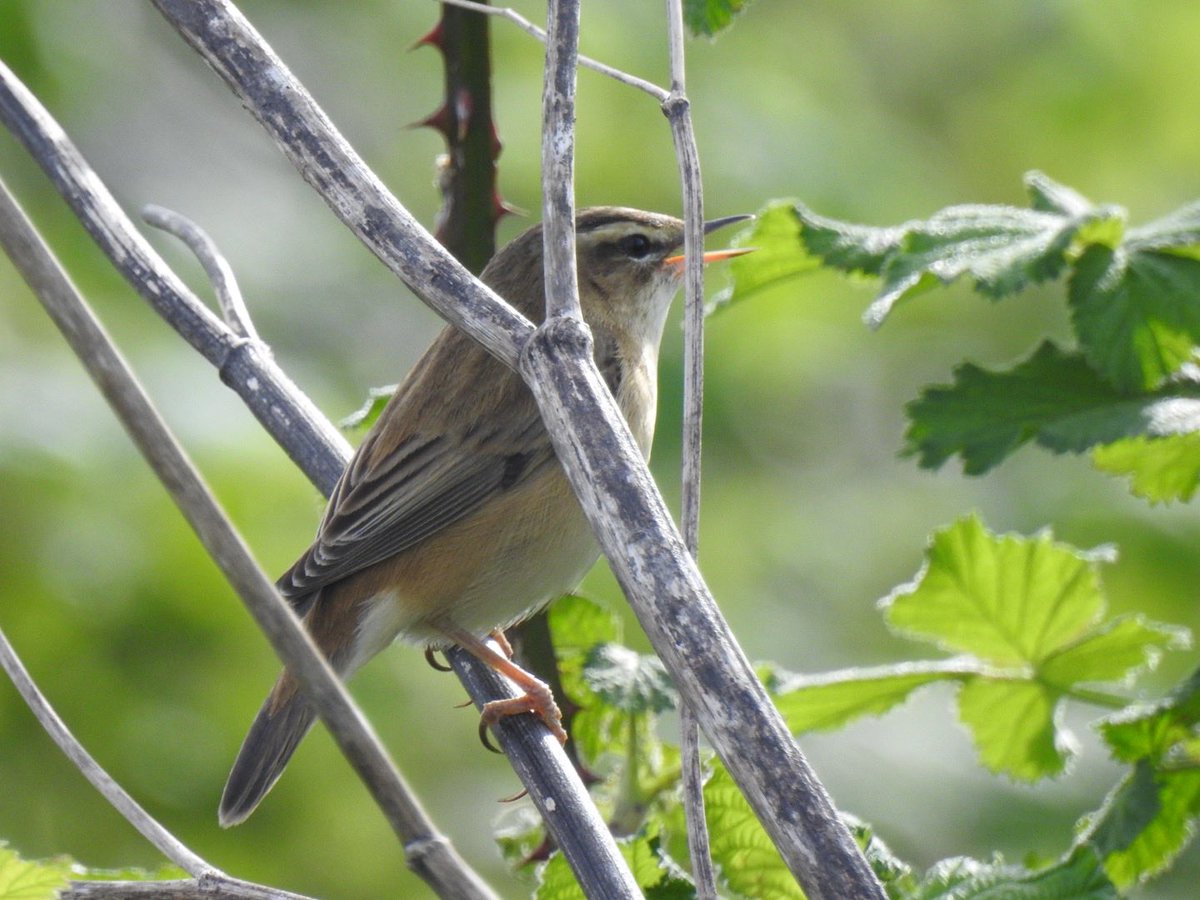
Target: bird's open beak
{"points": [[714, 255]]}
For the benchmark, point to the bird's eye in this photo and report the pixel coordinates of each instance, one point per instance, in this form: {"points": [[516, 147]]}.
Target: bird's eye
{"points": [[635, 246]]}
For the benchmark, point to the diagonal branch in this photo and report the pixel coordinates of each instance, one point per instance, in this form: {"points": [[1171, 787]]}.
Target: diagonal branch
{"points": [[677, 110], [548, 776], [428, 853], [605, 468]]}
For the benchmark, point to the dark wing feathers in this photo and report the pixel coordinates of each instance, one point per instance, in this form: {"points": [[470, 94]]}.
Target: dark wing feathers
{"points": [[422, 487]]}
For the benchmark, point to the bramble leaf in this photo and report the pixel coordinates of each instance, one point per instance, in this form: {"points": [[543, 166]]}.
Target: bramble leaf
{"points": [[707, 17], [1009, 600], [1053, 398], [1160, 469]]}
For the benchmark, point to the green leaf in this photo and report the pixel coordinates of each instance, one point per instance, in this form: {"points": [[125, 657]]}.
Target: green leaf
{"points": [[822, 702], [779, 255], [707, 17], [1144, 823], [1136, 313], [856, 249], [631, 682], [1053, 398], [1012, 724], [1114, 652], [657, 876], [577, 624], [364, 417], [1003, 249], [25, 880], [1161, 469], [1047, 195], [1178, 232], [1079, 877], [1010, 600], [1152, 731], [749, 863]]}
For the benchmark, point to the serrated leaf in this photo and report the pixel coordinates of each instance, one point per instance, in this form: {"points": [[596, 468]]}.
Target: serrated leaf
{"points": [[1177, 232], [1152, 730], [1144, 823], [857, 249], [779, 254], [707, 17], [367, 414], [1047, 195], [577, 624], [26, 880], [1160, 469], [1053, 398], [1114, 652], [657, 876], [1079, 877], [1135, 313], [1009, 600], [629, 681], [1001, 248], [1013, 726], [817, 703], [749, 863]]}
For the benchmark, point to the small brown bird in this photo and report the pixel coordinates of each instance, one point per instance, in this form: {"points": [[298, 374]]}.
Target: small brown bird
{"points": [[454, 519]]}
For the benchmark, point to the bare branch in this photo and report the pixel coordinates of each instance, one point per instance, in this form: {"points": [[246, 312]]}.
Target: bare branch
{"points": [[571, 817], [313, 443], [676, 108], [427, 852], [216, 267], [507, 12], [290, 424], [170, 846], [558, 160], [600, 458], [228, 42], [214, 887]]}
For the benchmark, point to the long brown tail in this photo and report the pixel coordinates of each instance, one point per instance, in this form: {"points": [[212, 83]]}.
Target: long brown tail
{"points": [[284, 719]]}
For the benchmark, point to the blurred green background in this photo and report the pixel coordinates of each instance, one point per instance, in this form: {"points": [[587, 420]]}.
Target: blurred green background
{"points": [[868, 111]]}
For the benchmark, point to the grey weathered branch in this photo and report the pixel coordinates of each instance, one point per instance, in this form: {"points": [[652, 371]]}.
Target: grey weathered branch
{"points": [[216, 267], [601, 460], [433, 858], [558, 160], [294, 420], [677, 111]]}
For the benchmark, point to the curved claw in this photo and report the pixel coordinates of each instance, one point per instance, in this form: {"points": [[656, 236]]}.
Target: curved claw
{"points": [[483, 737], [432, 660]]}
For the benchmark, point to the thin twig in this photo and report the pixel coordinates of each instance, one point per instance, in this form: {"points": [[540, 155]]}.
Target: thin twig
{"points": [[676, 109], [592, 440], [207, 888], [294, 418], [506, 12], [216, 267], [170, 846], [558, 159], [245, 366], [427, 852]]}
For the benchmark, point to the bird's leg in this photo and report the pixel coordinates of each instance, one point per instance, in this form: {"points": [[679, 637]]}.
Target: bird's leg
{"points": [[537, 699], [502, 639]]}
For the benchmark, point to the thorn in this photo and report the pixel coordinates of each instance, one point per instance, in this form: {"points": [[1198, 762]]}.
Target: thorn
{"points": [[433, 38], [438, 120], [497, 144], [502, 208]]}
